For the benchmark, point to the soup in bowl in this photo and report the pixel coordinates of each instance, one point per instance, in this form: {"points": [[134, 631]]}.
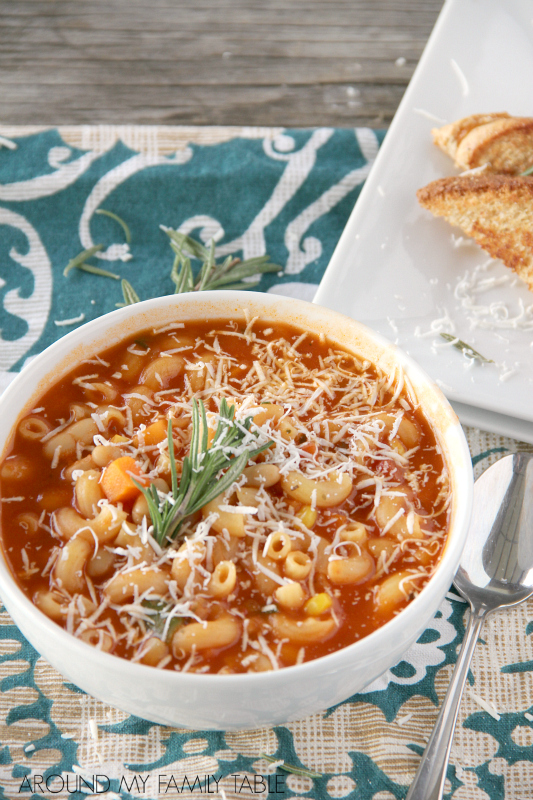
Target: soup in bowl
{"points": [[227, 510]]}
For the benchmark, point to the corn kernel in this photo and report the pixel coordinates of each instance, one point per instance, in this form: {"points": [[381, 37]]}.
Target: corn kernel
{"points": [[308, 516], [117, 438], [317, 604]]}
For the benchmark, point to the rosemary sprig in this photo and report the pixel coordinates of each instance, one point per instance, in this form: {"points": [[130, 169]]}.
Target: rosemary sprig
{"points": [[201, 479], [118, 219], [230, 273], [78, 262], [305, 773], [227, 274], [466, 349]]}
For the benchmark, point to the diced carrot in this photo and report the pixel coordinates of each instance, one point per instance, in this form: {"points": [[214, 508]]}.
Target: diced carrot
{"points": [[153, 434], [116, 482], [210, 436], [118, 438]]}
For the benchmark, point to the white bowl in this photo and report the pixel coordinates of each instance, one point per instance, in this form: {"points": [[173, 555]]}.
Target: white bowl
{"points": [[234, 702]]}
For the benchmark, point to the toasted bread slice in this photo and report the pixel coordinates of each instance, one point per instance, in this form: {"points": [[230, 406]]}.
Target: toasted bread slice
{"points": [[501, 143], [495, 210], [505, 145], [449, 137]]}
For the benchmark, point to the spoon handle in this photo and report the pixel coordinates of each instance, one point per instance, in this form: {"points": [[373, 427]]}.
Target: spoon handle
{"points": [[429, 779]]}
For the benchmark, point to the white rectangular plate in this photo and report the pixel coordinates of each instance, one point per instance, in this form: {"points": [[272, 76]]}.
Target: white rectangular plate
{"points": [[398, 269]]}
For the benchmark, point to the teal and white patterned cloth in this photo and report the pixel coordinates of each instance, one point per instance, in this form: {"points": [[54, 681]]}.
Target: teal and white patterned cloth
{"points": [[288, 193]]}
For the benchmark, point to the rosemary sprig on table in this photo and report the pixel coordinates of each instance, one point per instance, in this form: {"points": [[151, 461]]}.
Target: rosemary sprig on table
{"points": [[305, 773], [226, 274], [230, 273], [201, 480], [466, 349]]}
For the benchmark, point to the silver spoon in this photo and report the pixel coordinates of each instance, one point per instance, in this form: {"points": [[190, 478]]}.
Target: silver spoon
{"points": [[496, 571]]}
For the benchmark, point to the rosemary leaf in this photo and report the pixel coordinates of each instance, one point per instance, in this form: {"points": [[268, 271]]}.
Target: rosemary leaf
{"points": [[97, 271], [243, 270], [207, 268], [129, 293], [257, 261], [466, 349], [243, 287], [157, 613], [528, 171], [182, 275], [221, 269], [305, 773], [78, 260], [118, 219], [186, 243]]}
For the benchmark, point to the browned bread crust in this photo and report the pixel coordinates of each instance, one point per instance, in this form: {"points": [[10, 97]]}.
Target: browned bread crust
{"points": [[450, 136], [501, 143], [495, 210]]}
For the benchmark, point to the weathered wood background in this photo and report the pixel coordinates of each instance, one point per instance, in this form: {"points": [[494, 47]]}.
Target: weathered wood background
{"points": [[251, 62]]}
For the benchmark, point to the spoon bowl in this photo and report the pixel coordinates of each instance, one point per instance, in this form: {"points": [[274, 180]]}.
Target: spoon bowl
{"points": [[496, 568], [496, 572]]}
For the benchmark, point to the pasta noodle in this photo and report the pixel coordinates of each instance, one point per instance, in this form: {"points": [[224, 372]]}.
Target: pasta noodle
{"points": [[331, 528]]}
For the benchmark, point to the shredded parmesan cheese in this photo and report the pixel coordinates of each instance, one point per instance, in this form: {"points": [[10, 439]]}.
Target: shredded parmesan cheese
{"points": [[66, 322], [484, 705]]}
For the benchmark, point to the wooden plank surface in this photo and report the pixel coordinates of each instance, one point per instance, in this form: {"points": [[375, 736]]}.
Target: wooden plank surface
{"points": [[230, 62]]}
